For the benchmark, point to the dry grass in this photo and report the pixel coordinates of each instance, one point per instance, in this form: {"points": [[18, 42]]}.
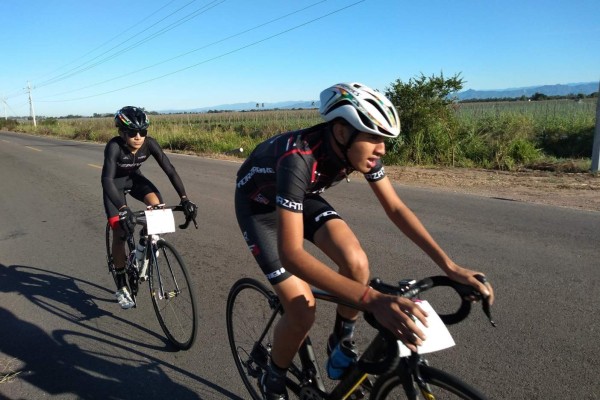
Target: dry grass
{"points": [[7, 371], [573, 190]]}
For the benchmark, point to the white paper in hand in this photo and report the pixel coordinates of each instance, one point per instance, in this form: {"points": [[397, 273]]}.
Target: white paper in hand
{"points": [[160, 221], [438, 336]]}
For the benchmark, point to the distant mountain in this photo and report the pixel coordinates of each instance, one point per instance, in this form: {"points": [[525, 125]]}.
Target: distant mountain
{"points": [[549, 90], [249, 106], [586, 88]]}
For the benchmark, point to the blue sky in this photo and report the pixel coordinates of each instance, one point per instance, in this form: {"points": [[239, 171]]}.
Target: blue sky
{"points": [[85, 57]]}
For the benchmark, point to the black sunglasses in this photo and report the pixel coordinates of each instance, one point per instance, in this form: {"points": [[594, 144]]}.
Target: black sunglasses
{"points": [[133, 133]]}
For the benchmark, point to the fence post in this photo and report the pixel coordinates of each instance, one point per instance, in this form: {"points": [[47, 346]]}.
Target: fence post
{"points": [[596, 147]]}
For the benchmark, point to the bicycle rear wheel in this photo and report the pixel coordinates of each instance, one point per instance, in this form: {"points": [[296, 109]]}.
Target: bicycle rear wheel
{"points": [[441, 386], [252, 313], [173, 296]]}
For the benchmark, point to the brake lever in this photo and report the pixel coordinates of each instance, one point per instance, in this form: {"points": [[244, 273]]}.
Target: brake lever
{"points": [[485, 301], [187, 223], [485, 304]]}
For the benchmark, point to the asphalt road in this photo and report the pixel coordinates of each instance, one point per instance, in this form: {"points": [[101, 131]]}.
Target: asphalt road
{"points": [[63, 333]]}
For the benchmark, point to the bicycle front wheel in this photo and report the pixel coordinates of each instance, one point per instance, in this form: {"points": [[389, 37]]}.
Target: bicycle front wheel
{"points": [[252, 312], [439, 385], [173, 296]]}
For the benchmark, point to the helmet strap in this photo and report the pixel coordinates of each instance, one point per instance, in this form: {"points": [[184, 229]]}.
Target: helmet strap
{"points": [[344, 147]]}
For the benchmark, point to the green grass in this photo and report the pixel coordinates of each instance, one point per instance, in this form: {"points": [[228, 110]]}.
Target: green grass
{"points": [[497, 135]]}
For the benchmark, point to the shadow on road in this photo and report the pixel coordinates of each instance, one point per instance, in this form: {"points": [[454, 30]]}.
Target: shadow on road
{"points": [[87, 363]]}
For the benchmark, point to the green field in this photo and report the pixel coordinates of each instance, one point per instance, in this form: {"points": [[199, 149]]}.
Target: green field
{"points": [[502, 135]]}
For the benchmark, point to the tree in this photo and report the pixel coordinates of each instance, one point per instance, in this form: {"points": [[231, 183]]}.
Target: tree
{"points": [[538, 96], [427, 120]]}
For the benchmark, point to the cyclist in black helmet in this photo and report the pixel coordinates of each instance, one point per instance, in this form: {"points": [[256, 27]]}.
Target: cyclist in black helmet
{"points": [[123, 156], [278, 205]]}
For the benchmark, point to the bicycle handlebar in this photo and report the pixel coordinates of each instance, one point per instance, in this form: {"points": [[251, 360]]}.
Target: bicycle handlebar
{"points": [[141, 214], [466, 293]]}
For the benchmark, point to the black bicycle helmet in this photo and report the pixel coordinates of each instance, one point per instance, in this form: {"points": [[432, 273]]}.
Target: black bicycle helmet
{"points": [[131, 117]]}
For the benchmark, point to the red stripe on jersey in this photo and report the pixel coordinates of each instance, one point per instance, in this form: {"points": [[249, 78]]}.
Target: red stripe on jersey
{"points": [[296, 150]]}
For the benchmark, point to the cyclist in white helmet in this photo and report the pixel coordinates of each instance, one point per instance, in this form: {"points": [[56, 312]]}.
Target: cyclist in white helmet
{"points": [[278, 206]]}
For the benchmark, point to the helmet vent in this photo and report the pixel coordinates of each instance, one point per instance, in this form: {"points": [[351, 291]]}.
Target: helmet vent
{"points": [[338, 105], [378, 107], [366, 120]]}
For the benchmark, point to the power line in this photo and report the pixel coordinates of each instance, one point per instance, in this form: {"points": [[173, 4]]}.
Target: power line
{"points": [[113, 38], [133, 25], [211, 59], [192, 51], [121, 52]]}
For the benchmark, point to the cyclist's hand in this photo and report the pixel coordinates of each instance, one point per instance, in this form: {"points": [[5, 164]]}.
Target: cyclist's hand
{"points": [[474, 279], [396, 314], [189, 209], [127, 220]]}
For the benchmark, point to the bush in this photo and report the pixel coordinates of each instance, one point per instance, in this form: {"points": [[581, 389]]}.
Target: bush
{"points": [[428, 123], [8, 124], [49, 122], [568, 143]]}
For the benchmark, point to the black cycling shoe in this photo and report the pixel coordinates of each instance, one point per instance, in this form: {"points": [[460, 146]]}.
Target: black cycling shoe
{"points": [[267, 385]]}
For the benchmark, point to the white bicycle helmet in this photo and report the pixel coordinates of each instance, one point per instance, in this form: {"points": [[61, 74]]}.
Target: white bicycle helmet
{"points": [[365, 109]]}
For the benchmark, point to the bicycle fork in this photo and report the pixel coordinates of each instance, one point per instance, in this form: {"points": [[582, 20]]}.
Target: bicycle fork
{"points": [[411, 375], [153, 253]]}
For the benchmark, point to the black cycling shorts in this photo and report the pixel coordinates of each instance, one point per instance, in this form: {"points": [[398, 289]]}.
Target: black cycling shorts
{"points": [[259, 227], [138, 185]]}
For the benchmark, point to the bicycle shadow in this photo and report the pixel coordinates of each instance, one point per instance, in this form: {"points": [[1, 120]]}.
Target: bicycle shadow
{"points": [[60, 295], [98, 364]]}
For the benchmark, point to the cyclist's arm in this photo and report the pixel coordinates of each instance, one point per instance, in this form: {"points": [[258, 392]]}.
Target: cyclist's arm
{"points": [[391, 311], [164, 163], [109, 171], [412, 227]]}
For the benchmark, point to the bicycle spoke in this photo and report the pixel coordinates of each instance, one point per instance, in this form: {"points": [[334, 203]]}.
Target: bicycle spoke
{"points": [[250, 323], [173, 296]]}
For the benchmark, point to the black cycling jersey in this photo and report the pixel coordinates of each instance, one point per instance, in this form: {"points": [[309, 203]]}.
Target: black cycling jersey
{"points": [[282, 171], [121, 164], [290, 171]]}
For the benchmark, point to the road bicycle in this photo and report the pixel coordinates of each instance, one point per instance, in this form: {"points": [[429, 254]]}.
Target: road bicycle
{"points": [[158, 262], [379, 373]]}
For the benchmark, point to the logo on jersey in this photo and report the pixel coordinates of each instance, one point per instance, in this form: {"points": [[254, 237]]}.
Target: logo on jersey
{"points": [[289, 204], [375, 176], [254, 249], [254, 170], [129, 166], [259, 198]]}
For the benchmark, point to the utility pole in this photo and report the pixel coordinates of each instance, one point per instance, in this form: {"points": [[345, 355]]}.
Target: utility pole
{"points": [[4, 103], [596, 147], [31, 111]]}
